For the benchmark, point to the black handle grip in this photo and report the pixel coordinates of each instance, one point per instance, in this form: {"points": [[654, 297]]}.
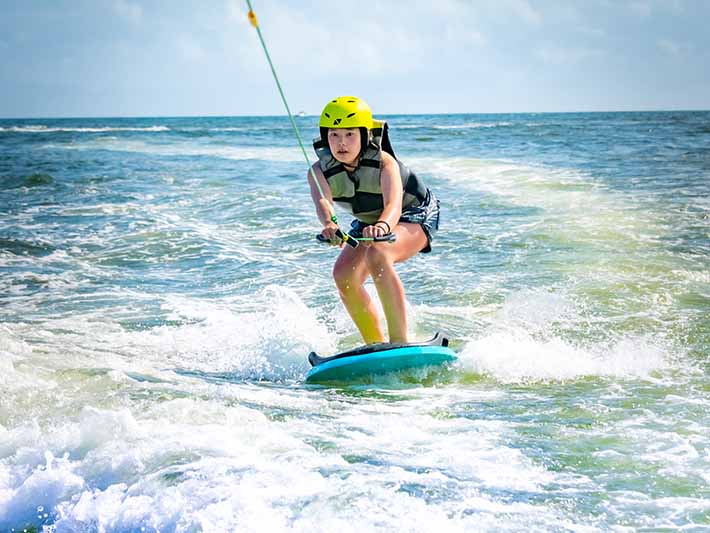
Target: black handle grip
{"points": [[347, 239], [390, 237]]}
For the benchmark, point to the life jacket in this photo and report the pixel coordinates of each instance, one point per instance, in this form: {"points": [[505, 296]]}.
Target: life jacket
{"points": [[360, 191]]}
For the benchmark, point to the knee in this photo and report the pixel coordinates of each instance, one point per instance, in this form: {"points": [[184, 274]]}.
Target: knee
{"points": [[377, 259], [345, 277]]}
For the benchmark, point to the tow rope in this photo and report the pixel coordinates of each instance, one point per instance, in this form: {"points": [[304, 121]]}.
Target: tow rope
{"points": [[333, 218]]}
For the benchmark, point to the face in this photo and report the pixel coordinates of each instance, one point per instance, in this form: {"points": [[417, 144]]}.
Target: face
{"points": [[344, 144]]}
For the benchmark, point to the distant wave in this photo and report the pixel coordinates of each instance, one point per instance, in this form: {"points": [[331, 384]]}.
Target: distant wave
{"points": [[467, 126], [185, 149], [53, 129], [472, 125], [150, 129]]}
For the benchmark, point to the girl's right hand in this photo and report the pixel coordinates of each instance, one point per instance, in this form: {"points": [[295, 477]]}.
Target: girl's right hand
{"points": [[329, 233]]}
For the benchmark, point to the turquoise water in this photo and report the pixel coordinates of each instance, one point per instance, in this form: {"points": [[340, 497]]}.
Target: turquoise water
{"points": [[161, 287]]}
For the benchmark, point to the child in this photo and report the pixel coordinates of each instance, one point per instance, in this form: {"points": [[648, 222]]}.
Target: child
{"points": [[358, 170]]}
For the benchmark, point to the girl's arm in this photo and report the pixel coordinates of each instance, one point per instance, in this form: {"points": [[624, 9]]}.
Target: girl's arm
{"points": [[323, 204]]}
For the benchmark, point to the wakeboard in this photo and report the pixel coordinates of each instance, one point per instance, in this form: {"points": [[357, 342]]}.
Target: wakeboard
{"points": [[381, 358]]}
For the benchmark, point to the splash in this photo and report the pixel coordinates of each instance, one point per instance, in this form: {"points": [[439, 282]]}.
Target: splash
{"points": [[537, 336], [270, 343]]}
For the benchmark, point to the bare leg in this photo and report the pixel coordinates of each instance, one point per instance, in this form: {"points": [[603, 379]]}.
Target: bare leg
{"points": [[350, 272], [391, 293], [380, 259]]}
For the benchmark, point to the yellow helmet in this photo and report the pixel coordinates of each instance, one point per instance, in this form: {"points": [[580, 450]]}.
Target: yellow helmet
{"points": [[346, 112]]}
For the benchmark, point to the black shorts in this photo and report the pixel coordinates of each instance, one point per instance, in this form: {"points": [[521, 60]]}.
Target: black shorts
{"points": [[425, 214]]}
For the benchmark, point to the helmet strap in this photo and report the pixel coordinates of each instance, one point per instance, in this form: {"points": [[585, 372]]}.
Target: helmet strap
{"points": [[365, 137]]}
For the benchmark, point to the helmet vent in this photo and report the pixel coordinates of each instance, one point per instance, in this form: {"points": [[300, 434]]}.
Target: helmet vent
{"points": [[344, 112]]}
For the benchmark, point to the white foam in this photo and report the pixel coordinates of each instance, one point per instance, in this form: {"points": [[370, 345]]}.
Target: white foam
{"points": [[471, 125], [187, 149], [12, 350], [269, 343], [43, 488], [263, 336], [52, 129], [215, 466], [536, 310], [524, 342], [576, 208], [518, 356], [465, 126], [106, 447]]}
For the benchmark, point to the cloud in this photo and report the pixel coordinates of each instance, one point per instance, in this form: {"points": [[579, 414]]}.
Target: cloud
{"points": [[404, 55], [334, 46], [525, 11]]}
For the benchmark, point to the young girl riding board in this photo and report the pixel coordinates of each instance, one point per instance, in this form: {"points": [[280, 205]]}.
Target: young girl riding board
{"points": [[358, 170]]}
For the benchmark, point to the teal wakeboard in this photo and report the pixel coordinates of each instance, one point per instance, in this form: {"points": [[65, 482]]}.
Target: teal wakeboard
{"points": [[382, 358]]}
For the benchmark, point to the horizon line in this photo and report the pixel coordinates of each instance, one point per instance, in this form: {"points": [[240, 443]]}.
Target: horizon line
{"points": [[78, 117]]}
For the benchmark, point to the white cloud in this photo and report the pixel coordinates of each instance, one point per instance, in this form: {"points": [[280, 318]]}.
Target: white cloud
{"points": [[525, 11], [404, 55], [298, 40]]}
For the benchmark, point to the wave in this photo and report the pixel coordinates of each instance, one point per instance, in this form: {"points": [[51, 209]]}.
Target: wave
{"points": [[43, 128], [524, 342], [200, 338], [466, 126], [472, 125], [217, 342], [519, 357], [187, 149], [574, 206], [219, 129], [105, 129]]}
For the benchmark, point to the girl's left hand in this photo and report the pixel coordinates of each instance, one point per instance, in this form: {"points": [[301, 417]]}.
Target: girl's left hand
{"points": [[375, 230]]}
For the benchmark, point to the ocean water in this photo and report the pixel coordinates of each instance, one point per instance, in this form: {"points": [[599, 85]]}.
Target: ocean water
{"points": [[160, 288]]}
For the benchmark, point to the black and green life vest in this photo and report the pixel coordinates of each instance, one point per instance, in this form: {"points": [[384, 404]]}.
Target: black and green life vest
{"points": [[360, 191]]}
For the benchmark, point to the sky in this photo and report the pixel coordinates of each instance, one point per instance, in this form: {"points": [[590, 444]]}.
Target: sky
{"points": [[106, 58]]}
